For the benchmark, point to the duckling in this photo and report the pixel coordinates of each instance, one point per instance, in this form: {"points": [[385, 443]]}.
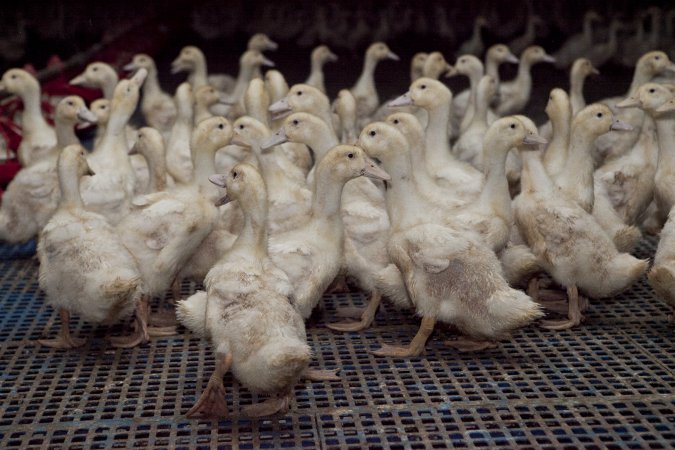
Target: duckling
{"points": [[309, 258], [514, 95], [178, 158], [569, 243], [157, 106], [577, 45], [192, 61], [613, 145], [247, 312], [436, 262], [98, 75], [469, 146], [345, 107], [109, 192], [436, 99], [364, 90], [37, 137], [320, 56], [204, 98], [107, 286], [417, 65], [33, 195], [474, 46], [166, 227]]}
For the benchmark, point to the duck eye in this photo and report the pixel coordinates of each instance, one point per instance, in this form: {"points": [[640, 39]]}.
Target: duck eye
{"points": [[295, 122], [95, 69], [350, 156], [372, 133], [513, 126], [70, 103], [598, 115], [13, 77], [652, 90], [221, 126], [657, 58], [299, 92], [424, 86], [241, 127], [234, 174], [396, 121], [462, 61]]}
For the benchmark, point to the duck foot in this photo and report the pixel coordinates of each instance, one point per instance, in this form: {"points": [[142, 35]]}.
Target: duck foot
{"points": [[162, 331], [320, 374], [350, 312], [268, 407], [367, 316], [560, 307], [165, 317], [416, 346], [140, 334], [175, 291], [212, 402], [574, 316], [64, 339], [465, 344], [339, 286]]}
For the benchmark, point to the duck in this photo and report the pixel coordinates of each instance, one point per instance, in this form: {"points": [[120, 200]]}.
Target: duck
{"points": [[469, 146], [178, 157], [364, 90], [568, 243], [204, 98], [436, 261], [247, 312], [249, 63], [613, 145], [581, 68], [436, 99], [101, 109], [191, 60], [577, 45], [309, 258], [37, 136], [514, 95], [165, 228], [276, 85], [75, 239], [601, 53], [98, 75], [320, 56], [417, 65], [109, 192], [520, 43], [157, 106], [33, 195], [660, 276], [304, 98], [435, 65], [345, 107], [474, 45], [559, 111]]}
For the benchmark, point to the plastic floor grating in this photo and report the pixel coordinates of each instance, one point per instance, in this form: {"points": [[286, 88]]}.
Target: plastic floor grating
{"points": [[608, 384]]}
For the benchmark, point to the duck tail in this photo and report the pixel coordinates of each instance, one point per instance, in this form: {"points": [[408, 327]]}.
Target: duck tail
{"points": [[510, 310], [626, 238], [519, 264], [191, 312], [625, 269]]}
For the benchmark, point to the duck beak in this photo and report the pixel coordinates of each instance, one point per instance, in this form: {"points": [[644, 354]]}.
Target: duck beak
{"points": [[511, 58], [130, 67], [277, 138], [280, 109], [331, 57], [90, 171], [534, 139], [238, 140], [218, 180], [372, 170], [271, 45], [671, 67], [3, 88], [178, 65], [548, 58], [594, 71], [224, 200], [139, 76], [403, 100], [619, 125], [666, 107], [78, 80], [630, 102], [450, 71], [266, 62], [392, 55], [134, 149], [85, 115]]}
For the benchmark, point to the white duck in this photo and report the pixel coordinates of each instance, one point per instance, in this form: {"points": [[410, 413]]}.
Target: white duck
{"points": [[577, 46], [178, 157], [204, 98], [247, 313], [364, 90], [436, 262], [37, 137], [569, 243], [101, 109], [311, 255], [320, 56], [417, 65], [249, 63], [581, 69], [191, 60], [345, 108], [559, 111], [109, 192], [259, 42], [98, 75], [75, 240], [474, 45], [157, 106], [33, 195], [514, 95], [165, 228]]}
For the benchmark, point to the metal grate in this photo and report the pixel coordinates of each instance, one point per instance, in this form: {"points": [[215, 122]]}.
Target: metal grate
{"points": [[607, 384]]}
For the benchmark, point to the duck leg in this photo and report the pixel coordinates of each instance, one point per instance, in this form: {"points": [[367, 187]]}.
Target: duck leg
{"points": [[212, 402], [140, 334], [161, 326], [367, 316], [416, 347], [466, 344], [338, 286], [268, 407], [64, 339], [574, 316], [320, 374]]}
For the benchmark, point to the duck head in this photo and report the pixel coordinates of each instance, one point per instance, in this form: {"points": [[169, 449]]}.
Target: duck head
{"points": [[425, 93], [72, 109], [501, 53], [515, 132], [262, 43], [558, 104], [149, 143], [649, 97], [536, 54], [409, 126], [211, 134], [101, 109], [73, 160], [301, 98], [322, 55], [208, 96], [188, 58], [597, 119], [18, 81], [469, 66], [126, 92], [417, 65], [582, 68], [242, 183], [253, 58], [141, 60], [382, 141], [95, 75], [298, 127], [654, 63], [436, 65], [248, 131], [349, 161], [379, 51]]}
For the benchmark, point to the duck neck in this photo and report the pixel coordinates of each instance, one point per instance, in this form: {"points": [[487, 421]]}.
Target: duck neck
{"points": [[641, 76], [480, 109], [577, 99], [437, 144], [157, 172], [198, 77], [404, 204], [665, 127], [476, 35], [32, 118], [65, 132], [108, 85], [321, 143], [258, 111], [246, 73], [316, 75], [151, 86], [201, 112], [115, 134], [534, 178], [253, 235], [367, 78], [492, 69], [524, 77], [70, 190], [588, 30], [576, 179], [495, 196], [555, 156], [327, 196], [204, 163]]}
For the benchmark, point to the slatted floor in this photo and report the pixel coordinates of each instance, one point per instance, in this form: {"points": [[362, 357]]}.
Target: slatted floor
{"points": [[607, 384]]}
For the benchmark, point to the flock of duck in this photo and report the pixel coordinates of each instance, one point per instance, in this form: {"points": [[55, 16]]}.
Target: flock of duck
{"points": [[451, 206]]}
